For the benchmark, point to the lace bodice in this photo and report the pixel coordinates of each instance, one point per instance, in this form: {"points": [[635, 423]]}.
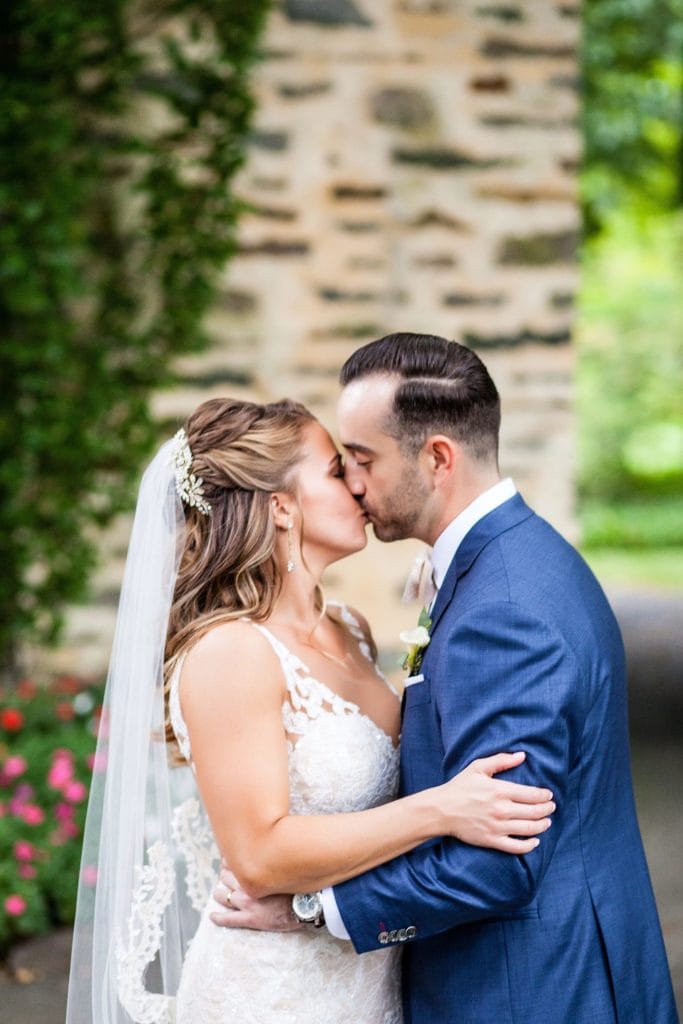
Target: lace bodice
{"points": [[339, 760]]}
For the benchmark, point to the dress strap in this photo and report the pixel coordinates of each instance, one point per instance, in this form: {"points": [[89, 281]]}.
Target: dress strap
{"points": [[354, 627], [292, 665]]}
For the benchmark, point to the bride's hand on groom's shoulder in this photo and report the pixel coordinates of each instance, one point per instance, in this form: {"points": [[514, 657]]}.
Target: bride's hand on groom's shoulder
{"points": [[270, 914], [484, 811]]}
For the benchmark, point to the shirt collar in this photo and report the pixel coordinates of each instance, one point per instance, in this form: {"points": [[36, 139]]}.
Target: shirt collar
{"points": [[450, 539]]}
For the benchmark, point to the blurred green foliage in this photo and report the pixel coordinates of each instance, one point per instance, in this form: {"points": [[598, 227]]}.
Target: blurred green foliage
{"points": [[632, 71], [121, 128], [630, 383], [630, 326]]}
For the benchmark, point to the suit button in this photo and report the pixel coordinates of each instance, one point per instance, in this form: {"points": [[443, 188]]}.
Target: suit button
{"points": [[383, 938], [411, 932], [402, 935], [392, 936]]}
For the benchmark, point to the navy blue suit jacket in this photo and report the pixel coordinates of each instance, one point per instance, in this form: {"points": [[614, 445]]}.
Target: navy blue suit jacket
{"points": [[525, 654]]}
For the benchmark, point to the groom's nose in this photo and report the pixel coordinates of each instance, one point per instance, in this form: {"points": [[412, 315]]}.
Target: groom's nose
{"points": [[354, 482]]}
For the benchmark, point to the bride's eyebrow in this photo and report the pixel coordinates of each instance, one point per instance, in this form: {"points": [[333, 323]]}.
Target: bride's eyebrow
{"points": [[335, 462]]}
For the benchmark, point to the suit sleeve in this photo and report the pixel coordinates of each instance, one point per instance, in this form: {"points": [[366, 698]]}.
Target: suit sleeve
{"points": [[507, 682]]}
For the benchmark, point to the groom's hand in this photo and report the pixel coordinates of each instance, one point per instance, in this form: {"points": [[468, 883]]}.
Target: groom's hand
{"points": [[270, 914]]}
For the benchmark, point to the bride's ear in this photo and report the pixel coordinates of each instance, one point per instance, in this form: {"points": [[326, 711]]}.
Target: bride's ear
{"points": [[282, 508]]}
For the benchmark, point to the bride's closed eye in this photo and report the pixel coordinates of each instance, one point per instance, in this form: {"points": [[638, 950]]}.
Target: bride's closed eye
{"points": [[339, 470]]}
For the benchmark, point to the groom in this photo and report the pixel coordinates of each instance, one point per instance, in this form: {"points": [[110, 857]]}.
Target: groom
{"points": [[524, 654]]}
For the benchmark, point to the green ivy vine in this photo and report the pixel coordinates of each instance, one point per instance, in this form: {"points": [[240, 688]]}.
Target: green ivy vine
{"points": [[122, 127]]}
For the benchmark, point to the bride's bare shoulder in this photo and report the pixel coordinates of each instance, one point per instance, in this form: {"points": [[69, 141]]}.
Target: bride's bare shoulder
{"points": [[231, 654]]}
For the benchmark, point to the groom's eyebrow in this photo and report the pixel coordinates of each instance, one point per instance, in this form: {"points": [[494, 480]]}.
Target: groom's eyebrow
{"points": [[353, 447]]}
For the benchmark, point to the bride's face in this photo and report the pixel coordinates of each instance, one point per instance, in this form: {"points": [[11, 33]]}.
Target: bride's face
{"points": [[333, 521]]}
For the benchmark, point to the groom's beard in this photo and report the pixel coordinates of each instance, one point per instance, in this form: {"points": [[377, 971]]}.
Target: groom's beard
{"points": [[395, 515]]}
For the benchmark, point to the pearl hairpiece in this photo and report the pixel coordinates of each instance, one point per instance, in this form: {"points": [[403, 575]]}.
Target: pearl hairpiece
{"points": [[188, 486]]}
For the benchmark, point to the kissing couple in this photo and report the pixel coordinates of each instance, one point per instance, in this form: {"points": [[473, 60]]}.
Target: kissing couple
{"points": [[246, 718]]}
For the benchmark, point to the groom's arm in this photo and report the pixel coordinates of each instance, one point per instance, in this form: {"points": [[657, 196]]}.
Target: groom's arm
{"points": [[514, 686]]}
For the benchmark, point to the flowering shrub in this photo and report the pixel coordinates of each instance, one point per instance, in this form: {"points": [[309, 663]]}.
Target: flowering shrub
{"points": [[47, 745]]}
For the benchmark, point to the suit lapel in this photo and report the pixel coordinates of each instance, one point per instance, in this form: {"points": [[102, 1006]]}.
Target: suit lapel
{"points": [[509, 514]]}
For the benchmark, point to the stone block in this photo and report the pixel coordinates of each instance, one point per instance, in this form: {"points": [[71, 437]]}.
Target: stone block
{"points": [[539, 249], [408, 109], [326, 12], [446, 158]]}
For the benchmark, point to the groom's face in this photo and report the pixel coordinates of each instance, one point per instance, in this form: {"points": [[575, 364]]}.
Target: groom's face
{"points": [[389, 484]]}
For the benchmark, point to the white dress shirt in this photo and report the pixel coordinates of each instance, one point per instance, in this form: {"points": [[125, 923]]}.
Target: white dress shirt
{"points": [[443, 553]]}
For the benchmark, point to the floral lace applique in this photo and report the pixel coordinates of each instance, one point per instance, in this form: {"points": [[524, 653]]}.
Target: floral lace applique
{"points": [[193, 837], [151, 896]]}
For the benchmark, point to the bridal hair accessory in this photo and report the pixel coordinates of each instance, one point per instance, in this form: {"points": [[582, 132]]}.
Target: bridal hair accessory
{"points": [[188, 486], [290, 560]]}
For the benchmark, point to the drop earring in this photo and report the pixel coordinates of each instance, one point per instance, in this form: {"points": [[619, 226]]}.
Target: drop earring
{"points": [[290, 560]]}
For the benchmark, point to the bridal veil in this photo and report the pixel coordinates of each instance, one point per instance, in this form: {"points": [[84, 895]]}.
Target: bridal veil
{"points": [[134, 914]]}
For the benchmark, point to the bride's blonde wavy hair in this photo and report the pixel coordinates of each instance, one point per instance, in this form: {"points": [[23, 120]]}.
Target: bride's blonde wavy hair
{"points": [[243, 452]]}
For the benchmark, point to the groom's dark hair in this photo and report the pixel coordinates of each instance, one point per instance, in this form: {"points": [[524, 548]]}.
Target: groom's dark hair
{"points": [[445, 389]]}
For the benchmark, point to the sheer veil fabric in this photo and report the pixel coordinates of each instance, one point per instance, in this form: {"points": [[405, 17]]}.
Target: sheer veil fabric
{"points": [[134, 915]]}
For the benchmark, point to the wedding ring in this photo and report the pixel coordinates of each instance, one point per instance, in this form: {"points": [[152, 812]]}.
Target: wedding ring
{"points": [[228, 898]]}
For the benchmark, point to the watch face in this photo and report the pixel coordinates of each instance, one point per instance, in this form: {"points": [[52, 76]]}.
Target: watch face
{"points": [[306, 905]]}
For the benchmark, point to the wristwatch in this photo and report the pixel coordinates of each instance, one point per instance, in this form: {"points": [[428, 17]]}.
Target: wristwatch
{"points": [[307, 908]]}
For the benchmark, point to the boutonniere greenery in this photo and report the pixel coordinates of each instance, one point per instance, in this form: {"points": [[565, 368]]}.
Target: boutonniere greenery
{"points": [[417, 640]]}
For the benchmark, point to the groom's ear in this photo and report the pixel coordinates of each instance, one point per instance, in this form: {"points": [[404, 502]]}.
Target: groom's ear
{"points": [[442, 454]]}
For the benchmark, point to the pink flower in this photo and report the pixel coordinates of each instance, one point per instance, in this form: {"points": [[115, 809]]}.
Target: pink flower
{"points": [[70, 829], [89, 874], [23, 850], [15, 905], [14, 767], [64, 812], [27, 871], [75, 792], [32, 814], [61, 769]]}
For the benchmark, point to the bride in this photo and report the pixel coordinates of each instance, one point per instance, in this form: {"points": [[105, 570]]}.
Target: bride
{"points": [[245, 717]]}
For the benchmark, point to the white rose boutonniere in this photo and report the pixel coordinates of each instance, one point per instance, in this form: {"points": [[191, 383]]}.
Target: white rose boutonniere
{"points": [[417, 640]]}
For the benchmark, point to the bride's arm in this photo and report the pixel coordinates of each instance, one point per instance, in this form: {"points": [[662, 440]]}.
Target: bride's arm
{"points": [[231, 695]]}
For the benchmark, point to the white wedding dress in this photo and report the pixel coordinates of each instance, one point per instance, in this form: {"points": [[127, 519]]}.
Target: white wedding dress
{"points": [[339, 761]]}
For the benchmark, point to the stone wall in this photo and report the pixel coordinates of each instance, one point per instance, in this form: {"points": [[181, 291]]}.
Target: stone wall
{"points": [[412, 167]]}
